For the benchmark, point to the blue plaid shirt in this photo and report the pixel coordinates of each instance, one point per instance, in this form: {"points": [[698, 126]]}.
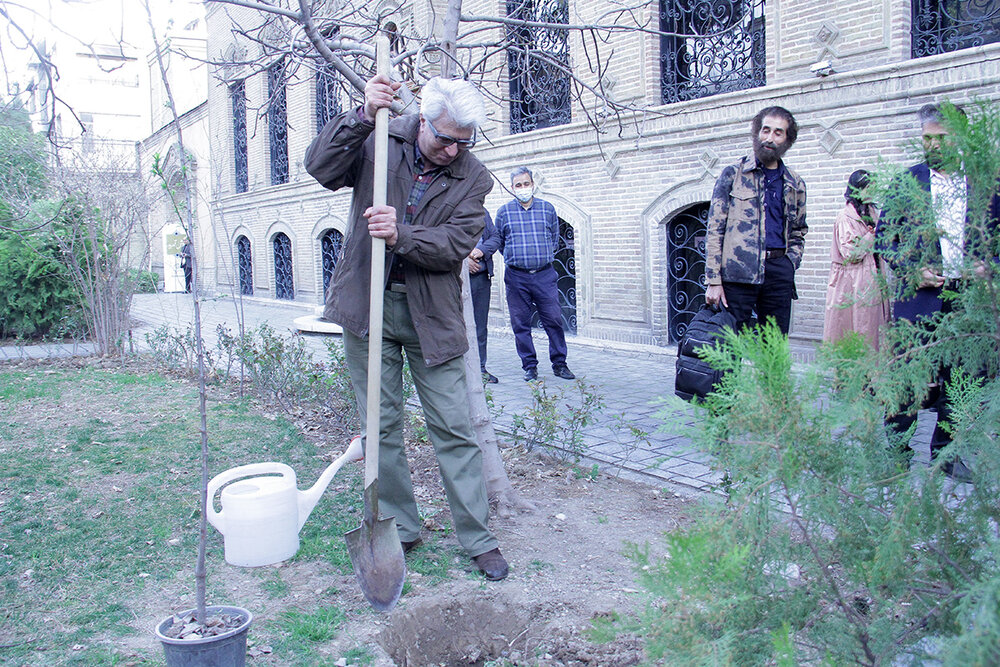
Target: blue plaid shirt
{"points": [[529, 236]]}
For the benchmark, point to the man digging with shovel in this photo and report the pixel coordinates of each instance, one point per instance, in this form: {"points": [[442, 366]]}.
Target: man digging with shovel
{"points": [[432, 219]]}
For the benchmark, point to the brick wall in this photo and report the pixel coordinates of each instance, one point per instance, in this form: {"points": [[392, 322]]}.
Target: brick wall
{"points": [[620, 193]]}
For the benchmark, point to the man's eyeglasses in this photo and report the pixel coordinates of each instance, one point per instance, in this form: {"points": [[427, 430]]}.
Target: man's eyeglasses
{"points": [[445, 140]]}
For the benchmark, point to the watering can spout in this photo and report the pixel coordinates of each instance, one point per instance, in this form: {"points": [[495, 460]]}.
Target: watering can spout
{"points": [[309, 498]]}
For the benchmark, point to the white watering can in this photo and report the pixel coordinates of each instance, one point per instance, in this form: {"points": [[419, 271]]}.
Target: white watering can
{"points": [[261, 516]]}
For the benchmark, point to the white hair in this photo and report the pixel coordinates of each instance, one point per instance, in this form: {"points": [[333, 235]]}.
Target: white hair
{"points": [[460, 99]]}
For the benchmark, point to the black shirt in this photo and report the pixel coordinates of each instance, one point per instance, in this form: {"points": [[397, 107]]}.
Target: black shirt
{"points": [[774, 207]]}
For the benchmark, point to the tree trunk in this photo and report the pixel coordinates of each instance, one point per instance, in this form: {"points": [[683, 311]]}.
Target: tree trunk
{"points": [[449, 39], [498, 485], [200, 569]]}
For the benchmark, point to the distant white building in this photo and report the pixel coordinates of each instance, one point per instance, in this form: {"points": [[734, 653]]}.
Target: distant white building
{"points": [[106, 108], [104, 90]]}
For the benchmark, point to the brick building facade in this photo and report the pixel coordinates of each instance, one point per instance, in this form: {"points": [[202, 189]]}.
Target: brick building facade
{"points": [[632, 197]]}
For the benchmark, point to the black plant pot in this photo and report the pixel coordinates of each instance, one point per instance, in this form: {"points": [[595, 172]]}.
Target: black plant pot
{"points": [[226, 650]]}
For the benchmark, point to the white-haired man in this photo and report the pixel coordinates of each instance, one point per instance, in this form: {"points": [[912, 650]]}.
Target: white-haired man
{"points": [[432, 221]]}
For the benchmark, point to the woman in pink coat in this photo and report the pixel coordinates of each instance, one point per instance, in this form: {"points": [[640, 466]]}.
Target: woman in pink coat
{"points": [[855, 298]]}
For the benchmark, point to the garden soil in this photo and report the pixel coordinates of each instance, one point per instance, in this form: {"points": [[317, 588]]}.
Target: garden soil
{"points": [[569, 573]]}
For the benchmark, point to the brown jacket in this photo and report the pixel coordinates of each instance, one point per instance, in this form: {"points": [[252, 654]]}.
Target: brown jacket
{"points": [[446, 225]]}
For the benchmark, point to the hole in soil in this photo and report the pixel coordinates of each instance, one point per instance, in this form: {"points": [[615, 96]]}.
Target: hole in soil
{"points": [[449, 631]]}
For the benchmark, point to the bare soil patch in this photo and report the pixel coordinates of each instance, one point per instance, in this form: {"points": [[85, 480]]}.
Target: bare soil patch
{"points": [[568, 567]]}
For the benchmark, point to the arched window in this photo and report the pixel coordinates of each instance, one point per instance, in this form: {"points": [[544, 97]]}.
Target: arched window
{"points": [[245, 262], [685, 268], [331, 246], [284, 283]]}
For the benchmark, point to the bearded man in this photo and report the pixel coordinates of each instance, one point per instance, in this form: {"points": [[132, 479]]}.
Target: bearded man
{"points": [[757, 227]]}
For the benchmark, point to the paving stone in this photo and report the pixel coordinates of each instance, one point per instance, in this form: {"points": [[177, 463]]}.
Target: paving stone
{"points": [[633, 381]]}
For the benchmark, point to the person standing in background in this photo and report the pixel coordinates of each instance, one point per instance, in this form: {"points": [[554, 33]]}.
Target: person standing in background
{"points": [[855, 298], [529, 236], [481, 285]]}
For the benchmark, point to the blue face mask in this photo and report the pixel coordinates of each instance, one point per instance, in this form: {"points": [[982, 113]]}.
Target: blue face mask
{"points": [[524, 195]]}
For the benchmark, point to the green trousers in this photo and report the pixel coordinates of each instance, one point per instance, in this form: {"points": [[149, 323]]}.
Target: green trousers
{"points": [[445, 401]]}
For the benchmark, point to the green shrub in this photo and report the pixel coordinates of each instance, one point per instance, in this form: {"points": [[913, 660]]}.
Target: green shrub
{"points": [[143, 282], [38, 298], [831, 548]]}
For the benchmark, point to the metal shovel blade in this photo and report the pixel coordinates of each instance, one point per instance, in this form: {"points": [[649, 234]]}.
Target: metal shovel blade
{"points": [[377, 555]]}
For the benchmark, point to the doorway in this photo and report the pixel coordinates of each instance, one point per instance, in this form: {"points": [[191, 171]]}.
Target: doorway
{"points": [[685, 268]]}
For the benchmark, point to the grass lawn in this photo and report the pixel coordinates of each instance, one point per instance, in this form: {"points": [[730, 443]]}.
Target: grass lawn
{"points": [[99, 515]]}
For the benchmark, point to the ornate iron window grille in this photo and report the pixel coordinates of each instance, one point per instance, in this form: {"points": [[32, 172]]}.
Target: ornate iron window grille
{"points": [[327, 96], [941, 26], [277, 123], [717, 46], [284, 283], [331, 246], [238, 96], [245, 265], [685, 268], [538, 63]]}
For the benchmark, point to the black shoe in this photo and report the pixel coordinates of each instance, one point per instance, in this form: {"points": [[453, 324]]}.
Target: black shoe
{"points": [[489, 378], [530, 374], [563, 371], [492, 564], [957, 470], [410, 546]]}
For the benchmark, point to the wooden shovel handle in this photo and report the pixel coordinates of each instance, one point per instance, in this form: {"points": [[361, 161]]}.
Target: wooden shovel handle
{"points": [[377, 284]]}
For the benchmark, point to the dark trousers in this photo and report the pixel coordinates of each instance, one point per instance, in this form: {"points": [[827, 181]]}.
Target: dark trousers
{"points": [[188, 271], [538, 289], [771, 299], [480, 284], [936, 400]]}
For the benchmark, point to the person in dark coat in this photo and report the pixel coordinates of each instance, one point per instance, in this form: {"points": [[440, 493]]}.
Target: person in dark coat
{"points": [[187, 265], [481, 284], [947, 191]]}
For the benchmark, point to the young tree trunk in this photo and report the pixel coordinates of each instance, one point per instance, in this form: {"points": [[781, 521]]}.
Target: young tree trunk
{"points": [[200, 571], [498, 485]]}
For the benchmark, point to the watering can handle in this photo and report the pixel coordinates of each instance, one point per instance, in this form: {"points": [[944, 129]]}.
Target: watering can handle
{"points": [[232, 475]]}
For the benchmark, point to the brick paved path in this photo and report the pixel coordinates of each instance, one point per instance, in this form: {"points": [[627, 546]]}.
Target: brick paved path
{"points": [[628, 379]]}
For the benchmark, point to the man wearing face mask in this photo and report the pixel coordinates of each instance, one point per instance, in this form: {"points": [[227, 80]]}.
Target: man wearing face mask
{"points": [[529, 236], [757, 227]]}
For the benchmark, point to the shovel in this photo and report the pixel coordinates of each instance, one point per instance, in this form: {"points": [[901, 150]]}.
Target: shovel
{"points": [[374, 546]]}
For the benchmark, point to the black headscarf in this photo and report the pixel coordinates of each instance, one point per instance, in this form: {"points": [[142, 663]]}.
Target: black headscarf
{"points": [[857, 182]]}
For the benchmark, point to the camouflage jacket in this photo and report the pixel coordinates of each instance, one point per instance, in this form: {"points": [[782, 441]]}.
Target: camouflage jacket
{"points": [[735, 233]]}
